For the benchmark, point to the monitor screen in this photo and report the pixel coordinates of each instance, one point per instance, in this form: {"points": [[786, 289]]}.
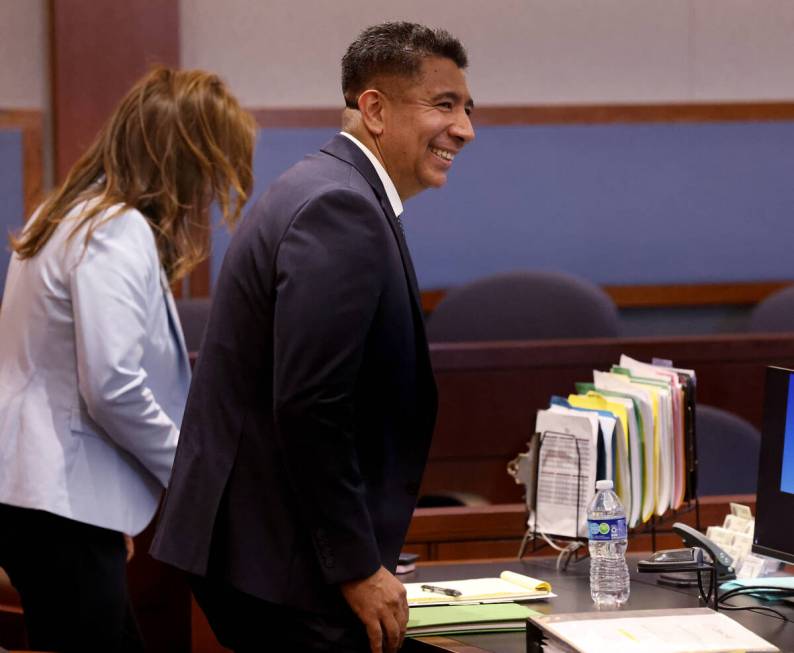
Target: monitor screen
{"points": [[774, 508]]}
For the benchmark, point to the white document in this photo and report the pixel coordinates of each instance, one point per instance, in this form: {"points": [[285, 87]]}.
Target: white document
{"points": [[660, 394], [566, 472], [676, 373], [684, 631], [635, 455], [613, 415], [606, 423], [670, 377], [607, 381]]}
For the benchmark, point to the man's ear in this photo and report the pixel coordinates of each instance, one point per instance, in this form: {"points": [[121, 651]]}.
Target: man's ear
{"points": [[372, 106]]}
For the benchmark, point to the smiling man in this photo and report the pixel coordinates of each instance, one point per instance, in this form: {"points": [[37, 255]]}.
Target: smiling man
{"points": [[313, 401], [414, 124]]}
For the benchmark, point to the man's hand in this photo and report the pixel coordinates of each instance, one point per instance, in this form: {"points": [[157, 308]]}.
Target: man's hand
{"points": [[379, 601]]}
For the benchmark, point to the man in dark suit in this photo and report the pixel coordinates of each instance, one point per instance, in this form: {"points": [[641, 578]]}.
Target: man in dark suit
{"points": [[313, 401]]}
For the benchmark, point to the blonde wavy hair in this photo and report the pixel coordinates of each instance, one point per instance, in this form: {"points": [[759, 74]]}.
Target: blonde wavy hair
{"points": [[176, 143]]}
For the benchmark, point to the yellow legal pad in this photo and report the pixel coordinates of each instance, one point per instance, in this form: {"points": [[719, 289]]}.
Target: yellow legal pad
{"points": [[510, 586]]}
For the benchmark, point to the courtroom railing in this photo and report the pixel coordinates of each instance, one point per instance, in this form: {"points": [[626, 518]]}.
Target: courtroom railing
{"points": [[489, 394]]}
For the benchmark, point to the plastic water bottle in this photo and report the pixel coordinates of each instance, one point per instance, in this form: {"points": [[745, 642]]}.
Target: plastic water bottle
{"points": [[606, 523]]}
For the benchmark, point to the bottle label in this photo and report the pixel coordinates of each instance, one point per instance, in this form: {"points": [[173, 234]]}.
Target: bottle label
{"points": [[606, 530]]}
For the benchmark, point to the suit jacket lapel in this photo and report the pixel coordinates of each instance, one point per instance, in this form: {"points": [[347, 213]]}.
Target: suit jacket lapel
{"points": [[410, 273], [419, 319]]}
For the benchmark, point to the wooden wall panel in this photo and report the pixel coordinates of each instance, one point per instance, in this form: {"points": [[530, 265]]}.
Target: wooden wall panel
{"points": [[495, 531], [559, 114], [704, 294], [562, 114], [666, 296], [98, 51], [31, 123], [96, 56]]}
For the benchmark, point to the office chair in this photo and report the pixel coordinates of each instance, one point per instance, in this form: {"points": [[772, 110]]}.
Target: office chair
{"points": [[775, 313], [193, 314], [727, 452], [524, 305]]}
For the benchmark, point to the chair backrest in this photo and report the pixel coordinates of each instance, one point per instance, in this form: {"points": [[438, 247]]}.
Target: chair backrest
{"points": [[193, 314], [524, 305], [775, 313], [727, 452]]}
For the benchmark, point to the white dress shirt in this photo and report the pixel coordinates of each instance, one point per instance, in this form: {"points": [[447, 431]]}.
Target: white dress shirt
{"points": [[388, 184]]}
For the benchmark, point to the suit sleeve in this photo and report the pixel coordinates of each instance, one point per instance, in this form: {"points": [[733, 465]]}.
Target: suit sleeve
{"points": [[329, 277], [110, 287]]}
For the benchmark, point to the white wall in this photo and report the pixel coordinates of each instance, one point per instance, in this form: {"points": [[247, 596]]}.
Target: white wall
{"points": [[24, 53], [285, 53]]}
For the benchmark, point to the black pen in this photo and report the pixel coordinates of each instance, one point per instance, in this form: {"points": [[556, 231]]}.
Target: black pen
{"points": [[441, 590]]}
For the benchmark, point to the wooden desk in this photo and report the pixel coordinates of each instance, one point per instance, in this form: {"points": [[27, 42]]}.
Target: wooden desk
{"points": [[573, 595], [172, 624]]}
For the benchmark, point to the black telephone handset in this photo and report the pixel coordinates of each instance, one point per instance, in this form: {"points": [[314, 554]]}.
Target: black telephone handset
{"points": [[693, 537], [687, 564], [689, 559]]}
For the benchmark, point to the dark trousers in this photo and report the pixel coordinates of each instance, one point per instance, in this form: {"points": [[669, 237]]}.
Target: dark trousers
{"points": [[247, 624], [72, 580]]}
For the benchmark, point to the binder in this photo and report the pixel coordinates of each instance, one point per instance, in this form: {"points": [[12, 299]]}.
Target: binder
{"points": [[689, 630]]}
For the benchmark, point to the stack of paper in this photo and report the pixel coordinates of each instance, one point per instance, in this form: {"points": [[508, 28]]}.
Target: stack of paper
{"points": [[634, 425]]}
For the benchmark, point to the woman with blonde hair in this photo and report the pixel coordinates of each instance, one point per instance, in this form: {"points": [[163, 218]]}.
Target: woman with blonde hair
{"points": [[93, 368]]}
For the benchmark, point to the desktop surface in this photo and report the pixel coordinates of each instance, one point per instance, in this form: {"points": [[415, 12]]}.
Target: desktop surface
{"points": [[572, 588]]}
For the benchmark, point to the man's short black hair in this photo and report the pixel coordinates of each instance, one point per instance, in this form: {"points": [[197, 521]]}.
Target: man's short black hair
{"points": [[395, 48]]}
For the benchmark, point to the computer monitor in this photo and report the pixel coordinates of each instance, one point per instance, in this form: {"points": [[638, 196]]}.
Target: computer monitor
{"points": [[774, 509]]}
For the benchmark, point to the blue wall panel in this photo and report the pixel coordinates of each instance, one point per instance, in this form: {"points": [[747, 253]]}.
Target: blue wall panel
{"points": [[618, 204], [276, 150], [12, 198]]}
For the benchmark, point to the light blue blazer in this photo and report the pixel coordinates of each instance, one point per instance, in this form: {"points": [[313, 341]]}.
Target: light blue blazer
{"points": [[93, 376]]}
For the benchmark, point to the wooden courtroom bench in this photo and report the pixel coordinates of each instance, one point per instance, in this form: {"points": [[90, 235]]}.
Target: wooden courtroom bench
{"points": [[489, 394], [495, 531]]}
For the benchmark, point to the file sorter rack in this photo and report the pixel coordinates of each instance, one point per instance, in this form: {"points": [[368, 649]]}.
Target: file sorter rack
{"points": [[532, 533]]}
